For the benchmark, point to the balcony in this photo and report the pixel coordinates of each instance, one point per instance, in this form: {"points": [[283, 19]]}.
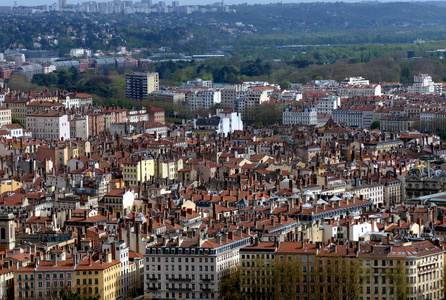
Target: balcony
{"points": [[152, 279], [206, 289], [180, 289], [180, 279], [152, 288], [206, 280]]}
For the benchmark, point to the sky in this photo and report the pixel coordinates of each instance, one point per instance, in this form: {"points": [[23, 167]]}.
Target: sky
{"points": [[168, 2]]}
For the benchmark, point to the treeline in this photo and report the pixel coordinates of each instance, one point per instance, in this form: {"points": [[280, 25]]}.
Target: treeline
{"points": [[264, 27], [329, 277], [300, 69], [102, 86]]}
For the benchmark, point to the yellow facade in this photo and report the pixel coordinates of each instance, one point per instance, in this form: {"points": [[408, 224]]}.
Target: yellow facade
{"points": [[138, 171], [18, 110], [9, 185], [83, 148], [102, 277], [168, 169]]}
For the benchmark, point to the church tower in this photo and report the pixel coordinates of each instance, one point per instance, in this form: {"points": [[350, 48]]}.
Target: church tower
{"points": [[7, 232]]}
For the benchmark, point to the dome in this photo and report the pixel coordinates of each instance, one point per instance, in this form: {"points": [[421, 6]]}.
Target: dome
{"points": [[421, 171]]}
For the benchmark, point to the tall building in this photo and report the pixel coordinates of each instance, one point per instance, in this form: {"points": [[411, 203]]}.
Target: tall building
{"points": [[7, 232], [140, 85]]}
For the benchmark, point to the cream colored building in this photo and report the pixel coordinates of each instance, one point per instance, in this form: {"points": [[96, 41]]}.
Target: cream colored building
{"points": [[420, 263], [191, 268], [5, 116], [138, 171]]}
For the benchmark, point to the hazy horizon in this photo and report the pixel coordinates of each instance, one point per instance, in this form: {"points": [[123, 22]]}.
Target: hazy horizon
{"points": [[182, 2]]}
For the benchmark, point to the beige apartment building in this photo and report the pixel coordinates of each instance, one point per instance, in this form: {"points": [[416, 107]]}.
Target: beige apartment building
{"points": [[191, 267], [5, 116], [420, 263], [140, 85], [49, 124]]}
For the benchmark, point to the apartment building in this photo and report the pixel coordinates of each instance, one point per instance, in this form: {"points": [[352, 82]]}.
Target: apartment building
{"points": [[203, 98], [7, 270], [18, 107], [49, 124], [136, 171], [305, 116], [46, 278], [230, 93], [359, 90], [79, 127], [119, 200], [191, 267], [96, 124], [419, 263], [156, 114], [120, 252], [98, 277], [14, 130], [371, 191], [392, 190], [396, 123], [326, 105], [361, 116], [422, 84], [197, 83], [254, 97], [5, 116], [140, 85]]}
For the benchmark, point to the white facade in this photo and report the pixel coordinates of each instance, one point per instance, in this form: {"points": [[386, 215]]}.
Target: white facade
{"points": [[360, 90], [177, 271], [128, 200], [120, 252], [355, 81], [70, 103], [354, 116], [422, 84], [373, 192], [197, 83], [79, 52], [326, 105], [203, 99], [305, 116], [51, 125], [230, 121], [358, 230]]}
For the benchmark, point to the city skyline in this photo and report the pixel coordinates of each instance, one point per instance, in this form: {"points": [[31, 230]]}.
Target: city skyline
{"points": [[181, 2]]}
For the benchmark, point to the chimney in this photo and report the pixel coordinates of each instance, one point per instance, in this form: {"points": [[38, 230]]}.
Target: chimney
{"points": [[54, 260], [225, 237]]}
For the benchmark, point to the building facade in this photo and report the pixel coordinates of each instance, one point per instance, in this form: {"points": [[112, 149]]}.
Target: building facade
{"points": [[139, 85]]}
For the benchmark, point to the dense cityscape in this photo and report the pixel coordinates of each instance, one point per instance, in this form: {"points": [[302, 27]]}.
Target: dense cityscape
{"points": [[163, 183]]}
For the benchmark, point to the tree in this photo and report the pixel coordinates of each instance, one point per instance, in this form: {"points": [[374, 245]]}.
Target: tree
{"points": [[18, 82], [74, 296], [17, 121], [230, 285], [375, 125], [397, 277], [338, 277], [286, 275]]}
